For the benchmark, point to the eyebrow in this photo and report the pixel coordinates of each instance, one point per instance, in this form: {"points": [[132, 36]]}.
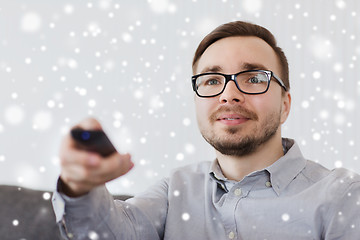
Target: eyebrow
{"points": [[253, 66], [215, 68], [244, 67]]}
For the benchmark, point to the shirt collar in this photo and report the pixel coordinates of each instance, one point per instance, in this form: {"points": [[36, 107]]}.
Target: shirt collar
{"points": [[286, 168], [216, 171], [282, 172], [217, 175]]}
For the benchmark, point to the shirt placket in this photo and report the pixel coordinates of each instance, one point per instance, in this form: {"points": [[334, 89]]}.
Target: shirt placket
{"points": [[238, 193], [234, 196]]}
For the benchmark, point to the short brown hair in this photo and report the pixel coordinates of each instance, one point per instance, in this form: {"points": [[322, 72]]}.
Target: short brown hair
{"points": [[240, 28]]}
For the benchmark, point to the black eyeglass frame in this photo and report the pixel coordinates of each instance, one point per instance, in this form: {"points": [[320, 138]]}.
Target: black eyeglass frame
{"points": [[232, 77]]}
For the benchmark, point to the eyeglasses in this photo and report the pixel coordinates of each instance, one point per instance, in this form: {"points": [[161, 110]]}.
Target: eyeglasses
{"points": [[248, 82]]}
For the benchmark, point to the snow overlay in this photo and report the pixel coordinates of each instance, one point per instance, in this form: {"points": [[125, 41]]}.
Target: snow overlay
{"points": [[128, 63]]}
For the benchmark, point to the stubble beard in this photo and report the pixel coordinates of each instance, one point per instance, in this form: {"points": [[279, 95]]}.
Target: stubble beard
{"points": [[243, 145]]}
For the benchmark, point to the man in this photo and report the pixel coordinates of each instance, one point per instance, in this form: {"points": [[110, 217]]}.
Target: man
{"points": [[258, 187]]}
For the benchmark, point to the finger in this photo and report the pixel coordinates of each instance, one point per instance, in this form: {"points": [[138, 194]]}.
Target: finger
{"points": [[79, 180], [69, 154], [112, 167], [106, 169], [89, 124], [74, 189], [77, 173], [81, 158]]}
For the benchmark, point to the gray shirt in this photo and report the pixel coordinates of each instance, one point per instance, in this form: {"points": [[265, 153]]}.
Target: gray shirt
{"points": [[294, 198]]}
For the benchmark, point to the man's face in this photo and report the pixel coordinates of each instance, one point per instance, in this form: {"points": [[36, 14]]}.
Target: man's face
{"points": [[235, 123]]}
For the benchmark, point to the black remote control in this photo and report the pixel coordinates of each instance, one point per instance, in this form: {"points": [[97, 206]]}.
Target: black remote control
{"points": [[93, 141]]}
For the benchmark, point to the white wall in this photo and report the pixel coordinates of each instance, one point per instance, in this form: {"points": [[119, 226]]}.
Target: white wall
{"points": [[128, 63]]}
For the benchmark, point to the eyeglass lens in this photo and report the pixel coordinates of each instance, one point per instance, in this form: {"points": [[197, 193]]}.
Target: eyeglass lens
{"points": [[249, 82]]}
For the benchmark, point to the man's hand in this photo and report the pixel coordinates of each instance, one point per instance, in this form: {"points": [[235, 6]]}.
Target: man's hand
{"points": [[81, 171]]}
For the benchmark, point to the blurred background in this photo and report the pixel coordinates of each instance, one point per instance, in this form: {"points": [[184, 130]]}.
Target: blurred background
{"points": [[128, 64]]}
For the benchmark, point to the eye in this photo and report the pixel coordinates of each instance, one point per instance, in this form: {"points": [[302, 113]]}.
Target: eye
{"points": [[254, 80], [212, 81], [257, 79]]}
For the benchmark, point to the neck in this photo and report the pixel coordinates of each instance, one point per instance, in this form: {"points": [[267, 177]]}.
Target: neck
{"points": [[237, 167]]}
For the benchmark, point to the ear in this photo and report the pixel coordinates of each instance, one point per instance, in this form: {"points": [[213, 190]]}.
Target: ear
{"points": [[285, 106]]}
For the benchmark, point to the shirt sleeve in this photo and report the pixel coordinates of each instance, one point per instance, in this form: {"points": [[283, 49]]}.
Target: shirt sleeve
{"points": [[343, 221], [98, 216]]}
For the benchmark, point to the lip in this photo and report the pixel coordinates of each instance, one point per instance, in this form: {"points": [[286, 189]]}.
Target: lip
{"points": [[232, 119]]}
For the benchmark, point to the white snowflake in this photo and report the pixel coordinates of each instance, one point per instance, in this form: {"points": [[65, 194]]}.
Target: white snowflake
{"points": [[127, 37], [316, 136], [14, 114], [185, 217], [321, 47], [31, 22], [42, 120], [252, 6], [186, 122], [15, 222], [285, 217], [93, 235], [68, 9], [46, 196]]}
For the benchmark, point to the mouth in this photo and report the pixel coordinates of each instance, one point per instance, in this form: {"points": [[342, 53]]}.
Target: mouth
{"points": [[233, 116], [232, 119]]}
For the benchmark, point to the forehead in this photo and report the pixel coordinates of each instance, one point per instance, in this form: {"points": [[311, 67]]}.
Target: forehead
{"points": [[232, 53]]}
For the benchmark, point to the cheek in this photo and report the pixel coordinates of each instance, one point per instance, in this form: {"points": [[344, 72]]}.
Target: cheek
{"points": [[263, 105], [200, 108], [203, 108]]}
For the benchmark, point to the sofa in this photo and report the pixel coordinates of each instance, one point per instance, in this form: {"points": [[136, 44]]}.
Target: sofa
{"points": [[27, 214]]}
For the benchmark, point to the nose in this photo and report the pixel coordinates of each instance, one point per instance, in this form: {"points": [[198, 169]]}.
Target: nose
{"points": [[231, 94]]}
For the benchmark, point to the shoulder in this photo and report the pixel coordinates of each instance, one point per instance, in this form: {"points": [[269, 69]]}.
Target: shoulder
{"points": [[339, 182], [335, 182], [317, 172], [342, 194], [193, 169], [344, 180], [191, 173], [186, 174], [341, 177]]}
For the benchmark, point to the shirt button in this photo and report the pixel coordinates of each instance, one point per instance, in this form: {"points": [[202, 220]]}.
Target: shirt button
{"points": [[237, 192], [231, 235], [268, 184]]}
